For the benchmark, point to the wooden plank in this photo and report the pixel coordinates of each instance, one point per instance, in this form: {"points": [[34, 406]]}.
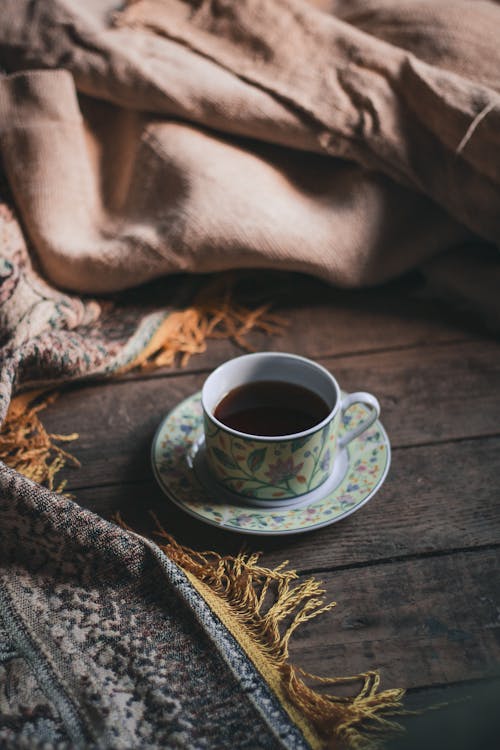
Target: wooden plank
{"points": [[422, 509], [323, 322], [421, 622], [467, 718], [431, 393], [427, 394]]}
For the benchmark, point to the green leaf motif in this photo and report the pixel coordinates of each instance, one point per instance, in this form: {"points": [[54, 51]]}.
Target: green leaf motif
{"points": [[223, 458], [256, 459], [211, 429], [299, 443]]}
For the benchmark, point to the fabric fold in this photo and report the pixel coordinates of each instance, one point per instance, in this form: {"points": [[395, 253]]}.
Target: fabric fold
{"points": [[378, 104], [160, 175], [107, 625], [199, 136]]}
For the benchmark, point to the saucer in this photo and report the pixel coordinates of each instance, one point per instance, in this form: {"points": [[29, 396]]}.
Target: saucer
{"points": [[180, 467], [197, 460]]}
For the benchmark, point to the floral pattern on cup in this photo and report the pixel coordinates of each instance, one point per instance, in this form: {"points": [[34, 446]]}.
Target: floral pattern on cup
{"points": [[369, 457], [274, 469]]}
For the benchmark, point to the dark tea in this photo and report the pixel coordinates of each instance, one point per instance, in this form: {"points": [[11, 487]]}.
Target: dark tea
{"points": [[270, 408]]}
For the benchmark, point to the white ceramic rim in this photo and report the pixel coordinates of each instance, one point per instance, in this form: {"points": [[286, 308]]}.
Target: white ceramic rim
{"points": [[272, 438]]}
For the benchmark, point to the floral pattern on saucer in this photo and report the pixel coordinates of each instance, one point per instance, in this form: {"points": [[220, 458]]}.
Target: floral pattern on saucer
{"points": [[181, 430]]}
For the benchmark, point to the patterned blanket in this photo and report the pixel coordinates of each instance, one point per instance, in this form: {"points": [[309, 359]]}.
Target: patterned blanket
{"points": [[106, 641], [172, 136]]}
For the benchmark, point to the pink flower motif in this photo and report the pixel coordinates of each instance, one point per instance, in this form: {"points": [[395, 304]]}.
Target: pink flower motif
{"points": [[282, 471]]}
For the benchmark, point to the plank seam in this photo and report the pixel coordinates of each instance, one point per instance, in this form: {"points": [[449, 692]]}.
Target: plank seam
{"points": [[402, 558]]}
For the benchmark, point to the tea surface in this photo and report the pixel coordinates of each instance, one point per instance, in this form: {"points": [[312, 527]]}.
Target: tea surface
{"points": [[271, 408]]}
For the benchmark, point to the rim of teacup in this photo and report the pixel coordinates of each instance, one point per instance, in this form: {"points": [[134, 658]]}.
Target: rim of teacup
{"points": [[270, 438]]}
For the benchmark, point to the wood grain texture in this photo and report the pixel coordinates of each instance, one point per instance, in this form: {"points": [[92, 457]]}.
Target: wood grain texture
{"points": [[324, 322], [421, 622], [423, 508], [428, 394], [415, 572]]}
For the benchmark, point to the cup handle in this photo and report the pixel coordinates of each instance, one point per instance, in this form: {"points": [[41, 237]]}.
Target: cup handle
{"points": [[360, 397]]}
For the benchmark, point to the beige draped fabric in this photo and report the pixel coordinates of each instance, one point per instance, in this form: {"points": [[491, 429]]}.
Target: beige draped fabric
{"points": [[353, 141]]}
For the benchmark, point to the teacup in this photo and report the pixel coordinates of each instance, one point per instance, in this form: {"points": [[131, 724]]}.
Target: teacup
{"points": [[286, 466]]}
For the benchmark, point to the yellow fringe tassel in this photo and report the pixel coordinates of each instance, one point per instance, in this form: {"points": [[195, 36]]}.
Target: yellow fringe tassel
{"points": [[25, 444], [262, 608], [213, 315]]}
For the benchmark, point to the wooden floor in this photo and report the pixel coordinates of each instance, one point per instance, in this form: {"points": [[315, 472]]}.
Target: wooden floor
{"points": [[416, 571]]}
